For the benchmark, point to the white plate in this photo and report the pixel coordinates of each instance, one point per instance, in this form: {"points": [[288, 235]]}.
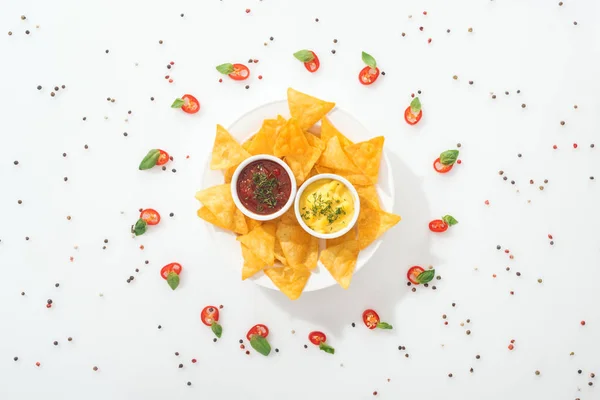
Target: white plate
{"points": [[246, 126]]}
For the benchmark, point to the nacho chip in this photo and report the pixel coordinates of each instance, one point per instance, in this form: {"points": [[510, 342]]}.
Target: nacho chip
{"points": [[246, 145], [264, 141], [314, 141], [367, 156], [307, 109], [252, 264], [334, 157], [218, 201], [252, 223], [372, 223], [303, 164], [289, 280], [261, 241], [226, 151], [300, 248], [290, 141], [328, 131], [368, 194], [279, 253], [353, 178], [228, 173], [340, 258]]}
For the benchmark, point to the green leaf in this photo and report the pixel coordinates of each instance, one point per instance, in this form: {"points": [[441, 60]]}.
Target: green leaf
{"points": [[384, 325], [150, 160], [304, 55], [260, 344], [326, 348], [226, 68], [178, 103], [173, 280], [449, 157], [425, 276], [369, 60], [450, 220], [415, 106], [217, 329], [139, 228]]}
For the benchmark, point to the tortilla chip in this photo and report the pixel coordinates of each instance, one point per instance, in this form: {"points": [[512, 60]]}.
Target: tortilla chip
{"points": [[264, 140], [228, 173], [246, 145], [340, 258], [367, 156], [300, 248], [218, 201], [372, 223], [328, 131], [303, 164], [334, 157], [261, 241], [368, 194], [353, 178], [312, 173], [252, 223], [290, 141], [252, 264], [226, 151], [279, 253], [289, 280], [307, 109], [314, 141]]}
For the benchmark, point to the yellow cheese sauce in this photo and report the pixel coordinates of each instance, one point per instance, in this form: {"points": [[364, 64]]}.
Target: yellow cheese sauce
{"points": [[326, 206]]}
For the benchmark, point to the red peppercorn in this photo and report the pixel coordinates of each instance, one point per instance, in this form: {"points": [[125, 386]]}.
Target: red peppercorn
{"points": [[445, 322], [582, 323], [512, 340], [247, 352], [421, 28], [172, 63], [555, 147], [37, 364], [574, 145], [260, 77], [549, 236], [458, 161], [424, 12], [194, 361], [166, 76], [487, 202], [247, 10], [170, 80], [494, 275], [48, 305], [242, 346], [429, 40], [255, 61], [506, 251], [510, 347]]}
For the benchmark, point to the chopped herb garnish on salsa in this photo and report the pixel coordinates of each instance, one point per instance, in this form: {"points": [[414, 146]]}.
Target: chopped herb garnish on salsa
{"points": [[264, 187]]}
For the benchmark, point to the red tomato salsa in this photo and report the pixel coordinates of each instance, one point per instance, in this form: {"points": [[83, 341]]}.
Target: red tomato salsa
{"points": [[264, 187]]}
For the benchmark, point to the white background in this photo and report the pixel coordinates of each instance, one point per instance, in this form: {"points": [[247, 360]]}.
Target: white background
{"points": [[526, 45]]}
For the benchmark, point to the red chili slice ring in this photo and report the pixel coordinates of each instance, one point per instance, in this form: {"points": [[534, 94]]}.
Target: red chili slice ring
{"points": [[258, 329], [438, 225], [441, 168], [317, 337], [150, 216], [313, 66], [411, 118], [163, 158], [370, 319], [209, 315], [191, 105], [240, 72], [412, 274], [368, 75], [173, 267]]}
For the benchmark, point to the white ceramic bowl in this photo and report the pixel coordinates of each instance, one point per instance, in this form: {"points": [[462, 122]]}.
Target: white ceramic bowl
{"points": [[341, 232], [238, 202]]}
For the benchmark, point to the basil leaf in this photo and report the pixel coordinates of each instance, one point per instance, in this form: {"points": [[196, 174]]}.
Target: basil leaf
{"points": [[304, 55], [217, 329], [450, 220], [173, 280], [150, 160], [260, 344], [449, 157], [369, 60], [226, 68], [425, 276], [415, 106], [384, 325], [326, 348], [178, 103], [139, 228]]}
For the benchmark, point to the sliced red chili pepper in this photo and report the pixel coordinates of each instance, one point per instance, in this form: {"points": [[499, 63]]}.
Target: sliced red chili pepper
{"points": [[411, 118], [437, 225], [412, 274], [163, 158], [368, 75], [150, 216], [441, 168], [209, 315], [317, 337], [173, 267], [258, 329]]}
